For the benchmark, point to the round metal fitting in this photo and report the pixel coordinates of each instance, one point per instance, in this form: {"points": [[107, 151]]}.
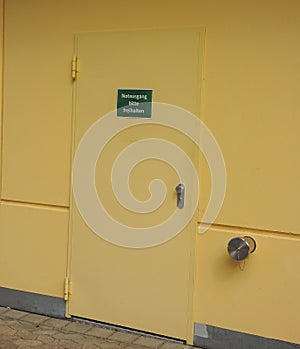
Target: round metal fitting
{"points": [[239, 248]]}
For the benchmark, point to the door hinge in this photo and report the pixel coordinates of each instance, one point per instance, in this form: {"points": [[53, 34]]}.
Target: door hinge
{"points": [[75, 67], [68, 289]]}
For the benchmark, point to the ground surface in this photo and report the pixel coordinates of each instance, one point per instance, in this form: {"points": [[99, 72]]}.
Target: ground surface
{"points": [[21, 330]]}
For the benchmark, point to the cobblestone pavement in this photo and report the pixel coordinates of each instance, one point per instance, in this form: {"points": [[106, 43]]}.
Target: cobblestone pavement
{"points": [[20, 330]]}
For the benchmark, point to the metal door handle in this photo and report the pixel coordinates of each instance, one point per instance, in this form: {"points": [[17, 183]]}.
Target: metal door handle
{"points": [[180, 189], [239, 248]]}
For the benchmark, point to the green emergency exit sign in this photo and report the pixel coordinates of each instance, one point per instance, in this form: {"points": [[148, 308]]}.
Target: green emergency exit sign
{"points": [[135, 103]]}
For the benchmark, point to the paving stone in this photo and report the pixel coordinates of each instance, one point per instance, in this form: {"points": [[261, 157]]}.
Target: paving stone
{"points": [[28, 342], [56, 323], [132, 346], [77, 327], [8, 337], [149, 342], [45, 339], [35, 318], [111, 345], [40, 330], [19, 325], [49, 346], [92, 340], [90, 346], [174, 345], [8, 345], [6, 330], [25, 334], [75, 337], [125, 337], [3, 310], [69, 344], [100, 332], [14, 314]]}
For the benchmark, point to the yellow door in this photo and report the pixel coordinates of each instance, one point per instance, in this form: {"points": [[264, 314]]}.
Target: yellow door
{"points": [[131, 246]]}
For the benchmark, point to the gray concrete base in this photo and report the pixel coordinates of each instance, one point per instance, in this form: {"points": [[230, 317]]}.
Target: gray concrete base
{"points": [[32, 302], [210, 337]]}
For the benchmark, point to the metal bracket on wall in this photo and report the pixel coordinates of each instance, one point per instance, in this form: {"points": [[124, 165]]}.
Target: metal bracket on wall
{"points": [[75, 67], [68, 289]]}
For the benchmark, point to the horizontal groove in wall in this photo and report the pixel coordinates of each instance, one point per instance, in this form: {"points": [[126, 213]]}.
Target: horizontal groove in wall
{"points": [[232, 228], [34, 204], [220, 227]]}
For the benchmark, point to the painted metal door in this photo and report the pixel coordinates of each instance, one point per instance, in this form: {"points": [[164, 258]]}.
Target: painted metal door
{"points": [[131, 246]]}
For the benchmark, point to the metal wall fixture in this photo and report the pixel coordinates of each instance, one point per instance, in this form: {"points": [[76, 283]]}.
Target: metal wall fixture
{"points": [[239, 248], [180, 190]]}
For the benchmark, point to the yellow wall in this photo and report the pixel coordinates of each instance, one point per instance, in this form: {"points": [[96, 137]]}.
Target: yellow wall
{"points": [[261, 299], [34, 240], [250, 102], [1, 80]]}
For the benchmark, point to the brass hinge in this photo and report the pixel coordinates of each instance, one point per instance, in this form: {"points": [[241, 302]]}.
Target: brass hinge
{"points": [[75, 67], [68, 289]]}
